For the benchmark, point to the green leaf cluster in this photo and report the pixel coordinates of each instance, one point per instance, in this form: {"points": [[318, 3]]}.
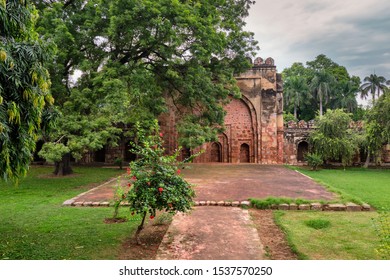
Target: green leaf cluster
{"points": [[24, 86], [333, 139], [314, 160], [155, 177], [320, 85], [137, 58]]}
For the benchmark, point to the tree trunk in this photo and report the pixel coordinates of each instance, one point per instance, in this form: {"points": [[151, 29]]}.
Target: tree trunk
{"points": [[295, 112], [139, 229], [367, 160], [63, 168]]}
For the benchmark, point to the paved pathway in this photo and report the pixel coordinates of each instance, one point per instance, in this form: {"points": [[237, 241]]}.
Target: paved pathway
{"points": [[211, 233], [235, 182], [243, 181], [226, 233]]}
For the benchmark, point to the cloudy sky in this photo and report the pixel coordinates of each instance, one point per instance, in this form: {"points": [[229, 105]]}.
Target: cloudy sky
{"points": [[353, 33]]}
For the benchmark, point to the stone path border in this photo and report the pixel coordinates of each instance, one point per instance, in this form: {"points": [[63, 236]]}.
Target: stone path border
{"points": [[350, 207], [73, 202]]}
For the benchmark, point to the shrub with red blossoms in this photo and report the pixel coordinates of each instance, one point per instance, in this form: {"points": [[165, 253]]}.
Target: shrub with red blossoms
{"points": [[155, 178]]}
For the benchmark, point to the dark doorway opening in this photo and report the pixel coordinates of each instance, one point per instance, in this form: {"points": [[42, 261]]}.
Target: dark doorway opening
{"points": [[100, 155], [303, 148], [216, 155], [244, 153]]}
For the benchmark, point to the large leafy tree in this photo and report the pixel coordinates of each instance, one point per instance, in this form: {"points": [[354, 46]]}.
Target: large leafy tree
{"points": [[191, 51], [296, 92], [321, 86], [140, 57], [24, 86], [334, 139], [373, 84], [378, 126], [323, 63], [330, 84], [345, 96]]}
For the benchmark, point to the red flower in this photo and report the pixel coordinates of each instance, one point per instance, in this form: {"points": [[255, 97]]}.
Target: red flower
{"points": [[151, 217], [134, 178], [128, 171], [161, 135], [178, 172], [160, 190], [129, 185]]}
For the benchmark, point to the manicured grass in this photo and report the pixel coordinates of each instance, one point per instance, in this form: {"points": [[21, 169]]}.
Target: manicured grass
{"points": [[371, 186], [346, 236], [35, 225], [340, 235]]}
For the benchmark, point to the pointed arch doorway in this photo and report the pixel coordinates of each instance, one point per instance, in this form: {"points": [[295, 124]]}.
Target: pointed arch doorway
{"points": [[216, 153]]}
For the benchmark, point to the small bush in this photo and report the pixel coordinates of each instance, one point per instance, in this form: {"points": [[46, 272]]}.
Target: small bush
{"points": [[314, 160], [163, 219], [317, 223]]}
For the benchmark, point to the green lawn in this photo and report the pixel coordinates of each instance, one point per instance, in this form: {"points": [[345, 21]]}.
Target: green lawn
{"points": [[350, 235], [34, 225], [367, 185]]}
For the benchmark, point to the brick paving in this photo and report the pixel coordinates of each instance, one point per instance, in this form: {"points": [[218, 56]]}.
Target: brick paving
{"points": [[228, 183], [209, 232]]}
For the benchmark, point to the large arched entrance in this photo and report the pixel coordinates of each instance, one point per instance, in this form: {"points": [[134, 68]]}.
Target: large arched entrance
{"points": [[303, 148], [244, 153], [216, 155], [240, 123]]}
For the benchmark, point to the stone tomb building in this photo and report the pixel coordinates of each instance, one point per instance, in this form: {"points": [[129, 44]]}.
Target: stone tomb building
{"points": [[254, 123], [255, 132]]}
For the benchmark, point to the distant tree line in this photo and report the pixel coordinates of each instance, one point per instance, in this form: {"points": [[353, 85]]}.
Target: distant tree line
{"points": [[323, 84]]}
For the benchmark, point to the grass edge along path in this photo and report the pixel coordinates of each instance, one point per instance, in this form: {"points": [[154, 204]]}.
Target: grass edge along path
{"points": [[357, 185]]}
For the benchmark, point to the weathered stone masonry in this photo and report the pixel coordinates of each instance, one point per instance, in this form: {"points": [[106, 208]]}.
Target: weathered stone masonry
{"points": [[255, 132], [254, 123]]}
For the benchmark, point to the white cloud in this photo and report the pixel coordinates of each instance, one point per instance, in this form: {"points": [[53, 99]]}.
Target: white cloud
{"points": [[355, 34]]}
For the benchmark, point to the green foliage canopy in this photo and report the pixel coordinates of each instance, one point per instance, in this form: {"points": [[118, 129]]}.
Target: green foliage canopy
{"points": [[331, 87], [24, 86], [333, 139], [140, 57], [379, 123]]}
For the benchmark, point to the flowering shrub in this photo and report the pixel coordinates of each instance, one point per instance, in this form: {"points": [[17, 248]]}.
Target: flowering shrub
{"points": [[155, 178]]}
